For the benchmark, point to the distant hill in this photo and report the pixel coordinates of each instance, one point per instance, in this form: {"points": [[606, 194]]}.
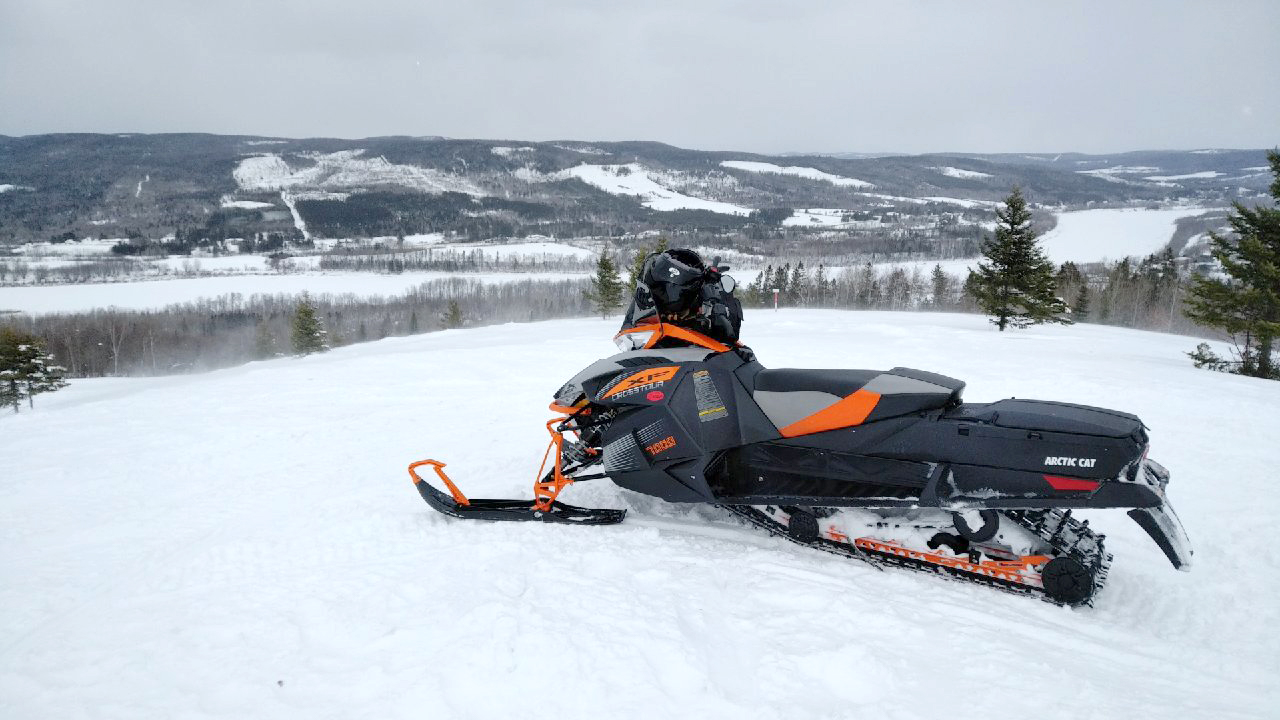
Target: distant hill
{"points": [[152, 186]]}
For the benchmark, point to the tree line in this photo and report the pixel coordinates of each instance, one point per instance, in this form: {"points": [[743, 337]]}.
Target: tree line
{"points": [[234, 329]]}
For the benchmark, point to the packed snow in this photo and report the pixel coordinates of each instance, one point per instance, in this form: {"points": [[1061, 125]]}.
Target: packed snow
{"points": [[13, 188], [962, 173], [634, 180], [155, 294], [246, 543], [1112, 234], [804, 172]]}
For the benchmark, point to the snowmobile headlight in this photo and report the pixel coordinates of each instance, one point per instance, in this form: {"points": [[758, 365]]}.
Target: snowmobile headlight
{"points": [[633, 340]]}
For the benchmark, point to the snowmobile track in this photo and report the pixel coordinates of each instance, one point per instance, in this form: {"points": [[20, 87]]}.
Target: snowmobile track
{"points": [[1040, 525]]}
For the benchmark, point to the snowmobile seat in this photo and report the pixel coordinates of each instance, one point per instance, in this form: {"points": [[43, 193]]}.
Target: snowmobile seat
{"points": [[802, 402]]}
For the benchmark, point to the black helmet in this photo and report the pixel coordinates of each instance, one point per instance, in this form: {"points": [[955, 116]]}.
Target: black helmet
{"points": [[675, 281]]}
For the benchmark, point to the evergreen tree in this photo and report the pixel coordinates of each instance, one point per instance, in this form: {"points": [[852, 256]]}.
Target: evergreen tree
{"points": [[941, 287], [452, 318], [821, 286], [1080, 308], [308, 331], [605, 293], [1247, 303], [1016, 283], [264, 344], [798, 286], [26, 369]]}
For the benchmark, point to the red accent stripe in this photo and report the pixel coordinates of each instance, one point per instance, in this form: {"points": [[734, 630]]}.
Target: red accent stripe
{"points": [[1066, 483]]}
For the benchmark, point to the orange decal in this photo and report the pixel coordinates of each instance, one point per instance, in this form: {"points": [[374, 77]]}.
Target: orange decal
{"points": [[1023, 571], [661, 446], [636, 382], [850, 411], [659, 330]]}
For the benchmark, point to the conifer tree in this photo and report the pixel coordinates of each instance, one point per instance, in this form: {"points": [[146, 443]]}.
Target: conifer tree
{"points": [[605, 293], [1247, 303], [1016, 283], [1080, 308], [264, 343], [26, 369], [452, 318], [941, 287], [308, 331]]}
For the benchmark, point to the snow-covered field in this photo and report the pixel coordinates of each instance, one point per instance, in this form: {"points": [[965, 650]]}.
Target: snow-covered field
{"points": [[247, 544], [155, 294], [634, 180], [1094, 235]]}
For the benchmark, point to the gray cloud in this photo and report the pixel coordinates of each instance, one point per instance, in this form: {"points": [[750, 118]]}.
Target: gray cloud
{"points": [[902, 75]]}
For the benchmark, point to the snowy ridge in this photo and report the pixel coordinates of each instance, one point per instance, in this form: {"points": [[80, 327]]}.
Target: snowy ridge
{"points": [[637, 181], [345, 169], [961, 173], [292, 571], [804, 172]]}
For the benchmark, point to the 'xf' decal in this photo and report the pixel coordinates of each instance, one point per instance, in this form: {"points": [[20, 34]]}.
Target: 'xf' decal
{"points": [[643, 380]]}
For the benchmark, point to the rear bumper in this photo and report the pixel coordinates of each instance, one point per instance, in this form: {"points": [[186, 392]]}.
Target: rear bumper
{"points": [[1161, 522]]}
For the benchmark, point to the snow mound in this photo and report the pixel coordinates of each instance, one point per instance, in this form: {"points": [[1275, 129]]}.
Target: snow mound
{"points": [[804, 172], [254, 550], [635, 180]]}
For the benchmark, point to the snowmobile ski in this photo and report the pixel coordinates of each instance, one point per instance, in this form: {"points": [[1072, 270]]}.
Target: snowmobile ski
{"points": [[455, 504]]}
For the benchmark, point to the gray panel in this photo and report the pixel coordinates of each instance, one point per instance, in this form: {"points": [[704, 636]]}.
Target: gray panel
{"points": [[898, 385], [785, 408]]}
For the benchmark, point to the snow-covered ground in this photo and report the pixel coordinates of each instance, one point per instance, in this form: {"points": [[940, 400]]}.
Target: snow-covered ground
{"points": [[962, 173], [804, 172], [345, 169], [634, 180], [247, 544], [1094, 235], [87, 247], [155, 294]]}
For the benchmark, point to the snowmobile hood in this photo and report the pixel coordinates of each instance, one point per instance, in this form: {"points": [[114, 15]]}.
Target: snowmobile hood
{"points": [[595, 375]]}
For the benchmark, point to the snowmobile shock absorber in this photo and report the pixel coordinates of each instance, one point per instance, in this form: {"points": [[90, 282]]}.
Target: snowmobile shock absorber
{"points": [[546, 487]]}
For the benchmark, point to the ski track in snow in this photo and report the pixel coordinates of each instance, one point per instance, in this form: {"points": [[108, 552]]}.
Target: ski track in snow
{"points": [[246, 543]]}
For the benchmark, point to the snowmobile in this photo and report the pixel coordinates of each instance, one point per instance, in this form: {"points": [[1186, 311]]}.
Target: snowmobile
{"points": [[890, 467]]}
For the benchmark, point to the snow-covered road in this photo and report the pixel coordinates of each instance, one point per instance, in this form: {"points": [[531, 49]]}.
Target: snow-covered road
{"points": [[247, 544]]}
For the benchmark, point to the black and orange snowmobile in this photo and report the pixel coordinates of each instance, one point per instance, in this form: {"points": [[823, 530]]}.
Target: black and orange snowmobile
{"points": [[890, 467]]}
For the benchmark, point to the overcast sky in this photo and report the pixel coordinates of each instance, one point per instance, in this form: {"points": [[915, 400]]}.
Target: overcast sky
{"points": [[782, 75]]}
